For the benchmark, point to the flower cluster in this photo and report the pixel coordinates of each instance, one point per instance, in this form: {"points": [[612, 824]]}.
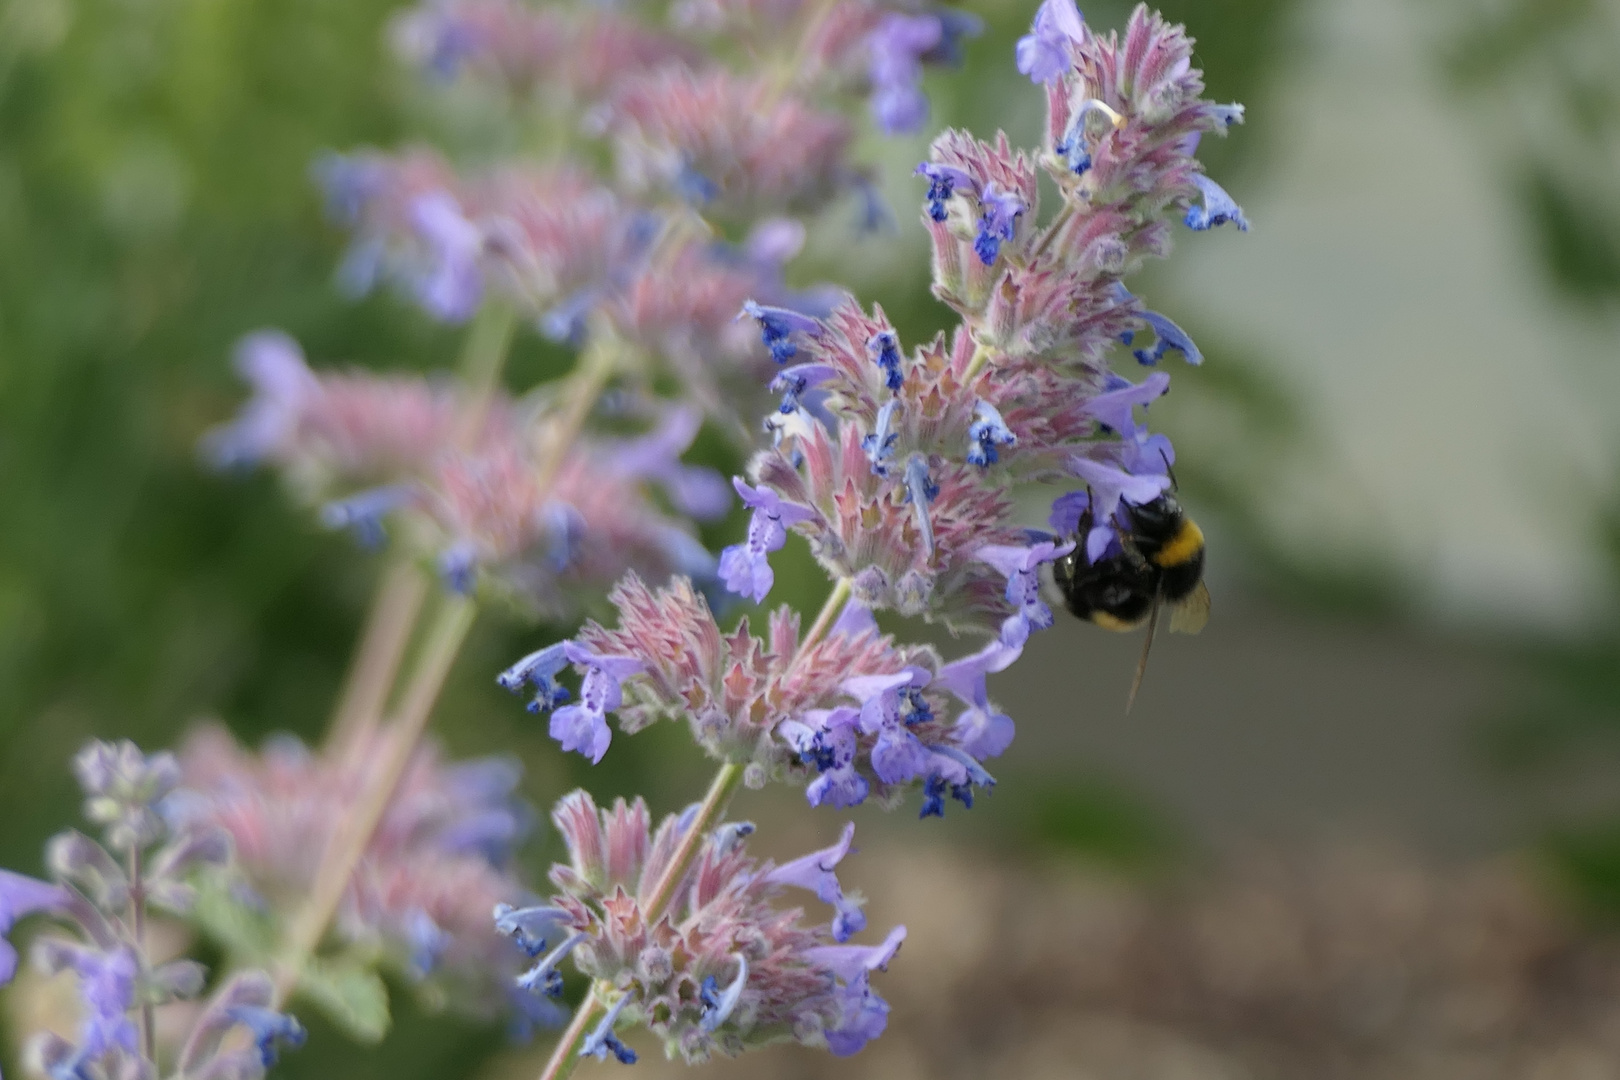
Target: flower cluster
{"points": [[898, 468], [470, 482], [422, 892], [722, 969], [850, 713], [100, 895]]}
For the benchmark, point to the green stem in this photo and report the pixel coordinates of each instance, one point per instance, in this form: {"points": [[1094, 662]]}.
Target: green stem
{"points": [[353, 834], [824, 618], [654, 905], [387, 634], [482, 358], [137, 920]]}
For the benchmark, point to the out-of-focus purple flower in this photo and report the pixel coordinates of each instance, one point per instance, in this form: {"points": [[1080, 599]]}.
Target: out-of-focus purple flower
{"points": [[1218, 208], [20, 897], [1046, 53], [815, 872], [124, 790], [696, 491], [745, 568], [436, 865], [283, 387], [452, 286], [269, 1029], [106, 990], [895, 49], [583, 726], [364, 513], [1021, 566]]}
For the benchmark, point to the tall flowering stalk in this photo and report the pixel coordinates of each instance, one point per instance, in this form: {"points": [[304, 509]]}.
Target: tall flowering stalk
{"points": [[721, 132], [898, 469]]}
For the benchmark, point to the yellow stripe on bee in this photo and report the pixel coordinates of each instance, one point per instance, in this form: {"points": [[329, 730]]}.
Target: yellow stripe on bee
{"points": [[1187, 543], [1110, 622]]}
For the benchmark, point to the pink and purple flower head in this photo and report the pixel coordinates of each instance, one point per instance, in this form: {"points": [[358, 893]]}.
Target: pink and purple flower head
{"points": [[726, 968]]}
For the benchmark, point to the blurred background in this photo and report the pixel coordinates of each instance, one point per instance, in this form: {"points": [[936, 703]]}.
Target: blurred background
{"points": [[1367, 824]]}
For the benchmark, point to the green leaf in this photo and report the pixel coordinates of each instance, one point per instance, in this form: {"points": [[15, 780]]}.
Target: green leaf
{"points": [[245, 933], [350, 994]]}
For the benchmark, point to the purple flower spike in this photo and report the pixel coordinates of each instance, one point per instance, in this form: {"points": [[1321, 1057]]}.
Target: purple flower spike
{"points": [[1000, 213], [1046, 53], [453, 285], [1113, 408], [1021, 565], [814, 872], [745, 568], [21, 896], [1218, 208], [583, 727], [1170, 336], [777, 327], [792, 382], [986, 434]]}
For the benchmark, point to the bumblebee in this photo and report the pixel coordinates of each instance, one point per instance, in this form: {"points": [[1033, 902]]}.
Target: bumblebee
{"points": [[1160, 561]]}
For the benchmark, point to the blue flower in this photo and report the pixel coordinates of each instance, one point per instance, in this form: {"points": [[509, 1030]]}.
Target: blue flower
{"points": [[1000, 211], [1046, 53], [777, 327], [884, 349], [943, 180], [544, 978], [718, 1004], [538, 667], [898, 756], [1021, 567], [1218, 208], [1114, 408], [269, 1028], [955, 774], [530, 927], [814, 872], [745, 568], [793, 381], [698, 492], [825, 739], [863, 1015], [452, 286], [21, 896], [601, 1041], [1170, 336], [583, 727], [979, 732], [920, 491], [1108, 488], [987, 432], [363, 513], [879, 445]]}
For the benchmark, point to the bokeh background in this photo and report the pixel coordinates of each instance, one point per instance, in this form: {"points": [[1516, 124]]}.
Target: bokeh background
{"points": [[1367, 824]]}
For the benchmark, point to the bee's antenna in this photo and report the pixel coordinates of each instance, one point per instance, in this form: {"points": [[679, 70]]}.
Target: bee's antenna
{"points": [[1147, 647], [1169, 471]]}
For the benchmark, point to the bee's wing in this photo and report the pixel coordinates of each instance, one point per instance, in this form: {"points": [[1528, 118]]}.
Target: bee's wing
{"points": [[1190, 615]]}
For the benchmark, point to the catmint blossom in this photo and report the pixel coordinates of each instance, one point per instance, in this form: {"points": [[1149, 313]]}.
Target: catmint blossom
{"points": [[1046, 53], [727, 969]]}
